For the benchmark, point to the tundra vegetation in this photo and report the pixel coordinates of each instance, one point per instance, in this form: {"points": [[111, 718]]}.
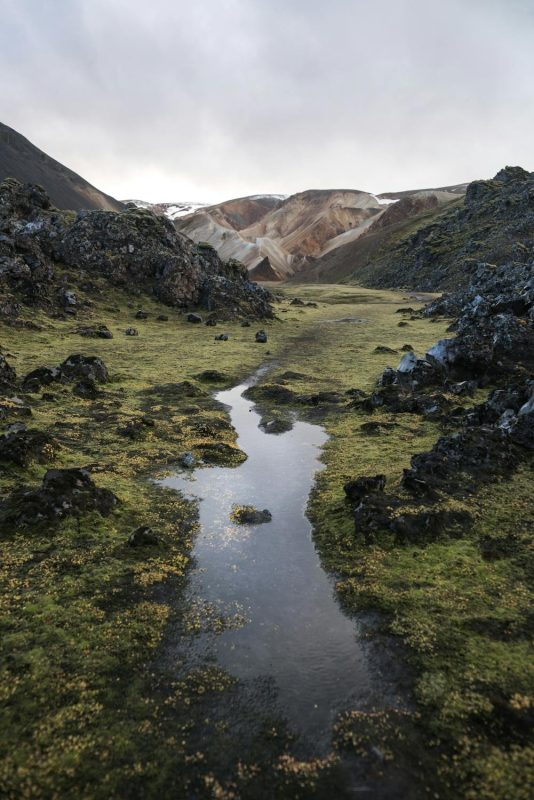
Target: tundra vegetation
{"points": [[95, 561]]}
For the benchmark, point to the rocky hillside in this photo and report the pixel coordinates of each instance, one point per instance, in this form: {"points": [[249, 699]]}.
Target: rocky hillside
{"points": [[293, 232], [45, 254], [493, 223], [20, 159]]}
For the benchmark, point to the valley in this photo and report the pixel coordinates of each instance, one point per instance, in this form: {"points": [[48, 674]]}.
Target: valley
{"points": [[88, 618]]}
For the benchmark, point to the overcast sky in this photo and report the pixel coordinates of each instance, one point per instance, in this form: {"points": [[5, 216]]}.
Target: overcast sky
{"points": [[209, 99]]}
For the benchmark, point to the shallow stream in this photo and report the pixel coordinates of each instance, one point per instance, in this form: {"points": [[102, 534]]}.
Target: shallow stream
{"points": [[291, 629]]}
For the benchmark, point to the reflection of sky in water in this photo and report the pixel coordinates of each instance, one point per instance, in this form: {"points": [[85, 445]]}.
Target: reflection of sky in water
{"points": [[271, 575]]}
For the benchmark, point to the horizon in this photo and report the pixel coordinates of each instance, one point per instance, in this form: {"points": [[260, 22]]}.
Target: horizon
{"points": [[237, 98]]}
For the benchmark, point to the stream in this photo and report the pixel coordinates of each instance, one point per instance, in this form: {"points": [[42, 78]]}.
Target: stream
{"points": [[290, 629]]}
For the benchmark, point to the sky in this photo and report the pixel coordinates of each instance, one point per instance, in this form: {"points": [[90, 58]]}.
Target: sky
{"points": [[203, 100]]}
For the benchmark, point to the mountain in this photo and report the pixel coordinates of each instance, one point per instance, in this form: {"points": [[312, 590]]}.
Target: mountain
{"points": [[278, 237], [22, 160], [441, 246]]}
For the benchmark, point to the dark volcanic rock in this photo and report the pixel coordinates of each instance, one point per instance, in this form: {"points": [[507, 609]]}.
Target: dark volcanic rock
{"points": [[359, 488], [8, 375], [21, 446], [261, 337], [248, 515], [142, 537], [87, 389], [64, 492], [132, 248], [195, 318], [212, 376], [99, 331], [84, 368]]}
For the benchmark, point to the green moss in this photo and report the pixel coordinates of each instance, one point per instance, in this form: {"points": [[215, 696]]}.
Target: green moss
{"points": [[86, 711]]}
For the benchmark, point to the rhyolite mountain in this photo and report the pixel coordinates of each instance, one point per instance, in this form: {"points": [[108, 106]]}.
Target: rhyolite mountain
{"points": [[21, 159], [278, 237]]}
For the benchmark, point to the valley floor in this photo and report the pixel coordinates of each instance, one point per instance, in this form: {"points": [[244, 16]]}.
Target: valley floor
{"points": [[88, 712]]}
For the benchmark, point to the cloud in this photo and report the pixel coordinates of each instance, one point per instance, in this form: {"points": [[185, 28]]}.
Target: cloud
{"points": [[173, 100]]}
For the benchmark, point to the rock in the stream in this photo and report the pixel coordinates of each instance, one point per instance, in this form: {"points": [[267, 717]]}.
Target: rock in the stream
{"points": [[142, 537], [248, 515]]}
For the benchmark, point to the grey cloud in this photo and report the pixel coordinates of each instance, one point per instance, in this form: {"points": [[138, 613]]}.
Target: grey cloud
{"points": [[171, 99]]}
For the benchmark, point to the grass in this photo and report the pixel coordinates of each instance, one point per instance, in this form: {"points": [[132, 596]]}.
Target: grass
{"points": [[85, 710]]}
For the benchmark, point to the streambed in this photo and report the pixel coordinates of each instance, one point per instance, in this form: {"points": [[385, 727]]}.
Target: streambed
{"points": [[289, 628]]}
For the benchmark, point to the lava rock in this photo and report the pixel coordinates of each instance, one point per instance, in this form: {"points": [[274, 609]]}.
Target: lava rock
{"points": [[63, 493], [99, 331], [196, 319], [84, 368], [212, 376], [131, 332], [21, 446], [359, 488], [248, 515], [187, 460], [86, 389], [142, 537], [261, 337]]}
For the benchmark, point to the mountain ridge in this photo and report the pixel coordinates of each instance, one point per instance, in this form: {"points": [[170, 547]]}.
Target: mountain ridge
{"points": [[24, 161]]}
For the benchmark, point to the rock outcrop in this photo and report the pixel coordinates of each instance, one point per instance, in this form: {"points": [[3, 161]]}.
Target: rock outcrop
{"points": [[493, 224], [133, 249], [493, 346]]}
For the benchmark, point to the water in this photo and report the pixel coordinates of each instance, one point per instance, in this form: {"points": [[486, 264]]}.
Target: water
{"points": [[292, 630]]}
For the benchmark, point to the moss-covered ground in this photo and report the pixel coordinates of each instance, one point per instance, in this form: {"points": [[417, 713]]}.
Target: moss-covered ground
{"points": [[85, 711]]}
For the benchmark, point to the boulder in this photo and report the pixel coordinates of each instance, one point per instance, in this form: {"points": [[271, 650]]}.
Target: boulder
{"points": [[212, 376], [80, 367], [131, 332], [63, 493], [359, 488], [86, 389], [187, 460], [22, 446], [142, 537], [99, 331], [261, 337], [196, 319], [8, 375]]}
